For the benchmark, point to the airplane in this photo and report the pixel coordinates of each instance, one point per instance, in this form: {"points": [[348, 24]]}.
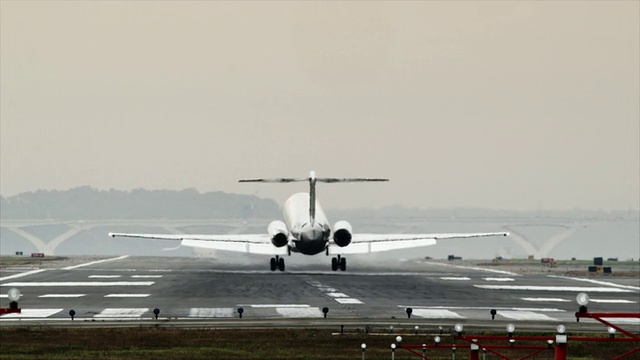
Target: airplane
{"points": [[306, 230]]}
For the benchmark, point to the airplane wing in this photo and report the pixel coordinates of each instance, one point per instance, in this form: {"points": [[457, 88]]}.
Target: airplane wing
{"points": [[248, 243], [369, 243]]}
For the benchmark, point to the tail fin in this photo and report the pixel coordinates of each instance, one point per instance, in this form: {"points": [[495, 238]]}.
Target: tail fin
{"points": [[312, 179]]}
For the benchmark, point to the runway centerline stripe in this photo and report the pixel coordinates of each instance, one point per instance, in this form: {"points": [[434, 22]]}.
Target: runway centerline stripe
{"points": [[147, 276], [61, 295], [80, 283], [127, 295], [95, 262], [104, 276], [596, 282], [612, 301], [551, 288], [455, 278], [15, 276]]}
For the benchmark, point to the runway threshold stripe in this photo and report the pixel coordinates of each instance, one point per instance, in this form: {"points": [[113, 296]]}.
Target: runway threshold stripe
{"points": [[127, 295], [33, 313], [211, 312], [337, 295], [278, 305], [300, 312], [414, 307], [80, 283], [599, 282], [61, 295], [436, 314], [146, 276], [464, 278], [551, 288], [6, 296], [612, 301], [15, 276], [498, 279], [546, 299], [95, 262], [348, 301], [104, 276], [122, 312], [525, 315]]}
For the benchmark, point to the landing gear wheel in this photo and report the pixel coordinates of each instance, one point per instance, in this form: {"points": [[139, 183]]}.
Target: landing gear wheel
{"points": [[343, 264], [334, 264], [281, 264], [274, 264]]}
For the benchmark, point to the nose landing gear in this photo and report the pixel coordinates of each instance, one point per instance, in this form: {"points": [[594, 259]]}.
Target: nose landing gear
{"points": [[277, 263], [338, 263]]}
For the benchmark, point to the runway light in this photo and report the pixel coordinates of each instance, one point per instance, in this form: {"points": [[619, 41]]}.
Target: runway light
{"points": [[398, 339], [493, 313], [561, 329], [393, 347], [14, 295], [611, 331], [416, 329], [512, 342], [510, 329], [240, 312], [156, 312], [409, 311], [436, 340], [72, 313], [459, 329], [582, 299], [549, 343], [325, 311], [363, 346]]}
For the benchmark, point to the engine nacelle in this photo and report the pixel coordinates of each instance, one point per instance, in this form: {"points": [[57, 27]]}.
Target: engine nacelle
{"points": [[278, 233], [342, 233]]}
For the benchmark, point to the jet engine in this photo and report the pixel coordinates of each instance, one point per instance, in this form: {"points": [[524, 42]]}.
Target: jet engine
{"points": [[278, 233], [342, 233]]}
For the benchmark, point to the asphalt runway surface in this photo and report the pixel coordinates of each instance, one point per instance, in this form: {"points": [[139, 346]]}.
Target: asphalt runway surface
{"points": [[196, 292]]}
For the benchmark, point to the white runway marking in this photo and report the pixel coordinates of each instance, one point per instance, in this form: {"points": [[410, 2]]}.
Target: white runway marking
{"points": [[81, 283], [474, 268], [525, 315], [15, 276], [33, 313], [277, 306], [6, 296], [127, 295], [327, 289], [338, 295], [480, 308], [348, 301], [596, 282], [551, 288], [612, 301], [146, 276], [104, 276], [95, 262], [546, 299], [211, 312], [61, 295], [299, 312], [122, 312], [436, 314], [499, 279], [455, 278]]}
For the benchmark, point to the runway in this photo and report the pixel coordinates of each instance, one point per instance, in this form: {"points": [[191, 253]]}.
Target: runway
{"points": [[123, 291]]}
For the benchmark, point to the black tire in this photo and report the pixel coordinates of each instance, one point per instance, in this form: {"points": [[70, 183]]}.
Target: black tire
{"points": [[334, 264], [281, 264], [274, 265], [343, 264]]}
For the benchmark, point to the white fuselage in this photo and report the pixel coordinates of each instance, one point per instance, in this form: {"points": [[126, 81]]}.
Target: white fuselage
{"points": [[306, 235]]}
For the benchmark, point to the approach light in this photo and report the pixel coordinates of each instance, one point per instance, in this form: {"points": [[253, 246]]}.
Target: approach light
{"points": [[561, 329], [13, 294], [416, 329], [459, 328], [510, 329], [393, 347], [363, 346], [611, 331], [582, 299], [398, 339], [549, 343], [512, 342], [436, 339]]}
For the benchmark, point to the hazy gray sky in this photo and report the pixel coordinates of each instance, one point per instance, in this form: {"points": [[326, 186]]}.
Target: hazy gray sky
{"points": [[517, 105]]}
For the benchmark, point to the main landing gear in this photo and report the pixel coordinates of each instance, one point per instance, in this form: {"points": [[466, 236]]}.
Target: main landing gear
{"points": [[338, 263], [277, 263]]}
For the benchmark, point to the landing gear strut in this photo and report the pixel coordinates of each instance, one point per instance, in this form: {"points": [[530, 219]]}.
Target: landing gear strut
{"points": [[338, 263], [277, 263]]}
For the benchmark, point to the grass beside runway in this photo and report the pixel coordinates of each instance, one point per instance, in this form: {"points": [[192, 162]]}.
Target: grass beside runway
{"points": [[168, 344]]}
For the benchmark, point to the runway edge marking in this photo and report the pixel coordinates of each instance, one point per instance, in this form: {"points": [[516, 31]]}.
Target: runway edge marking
{"points": [[95, 262]]}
